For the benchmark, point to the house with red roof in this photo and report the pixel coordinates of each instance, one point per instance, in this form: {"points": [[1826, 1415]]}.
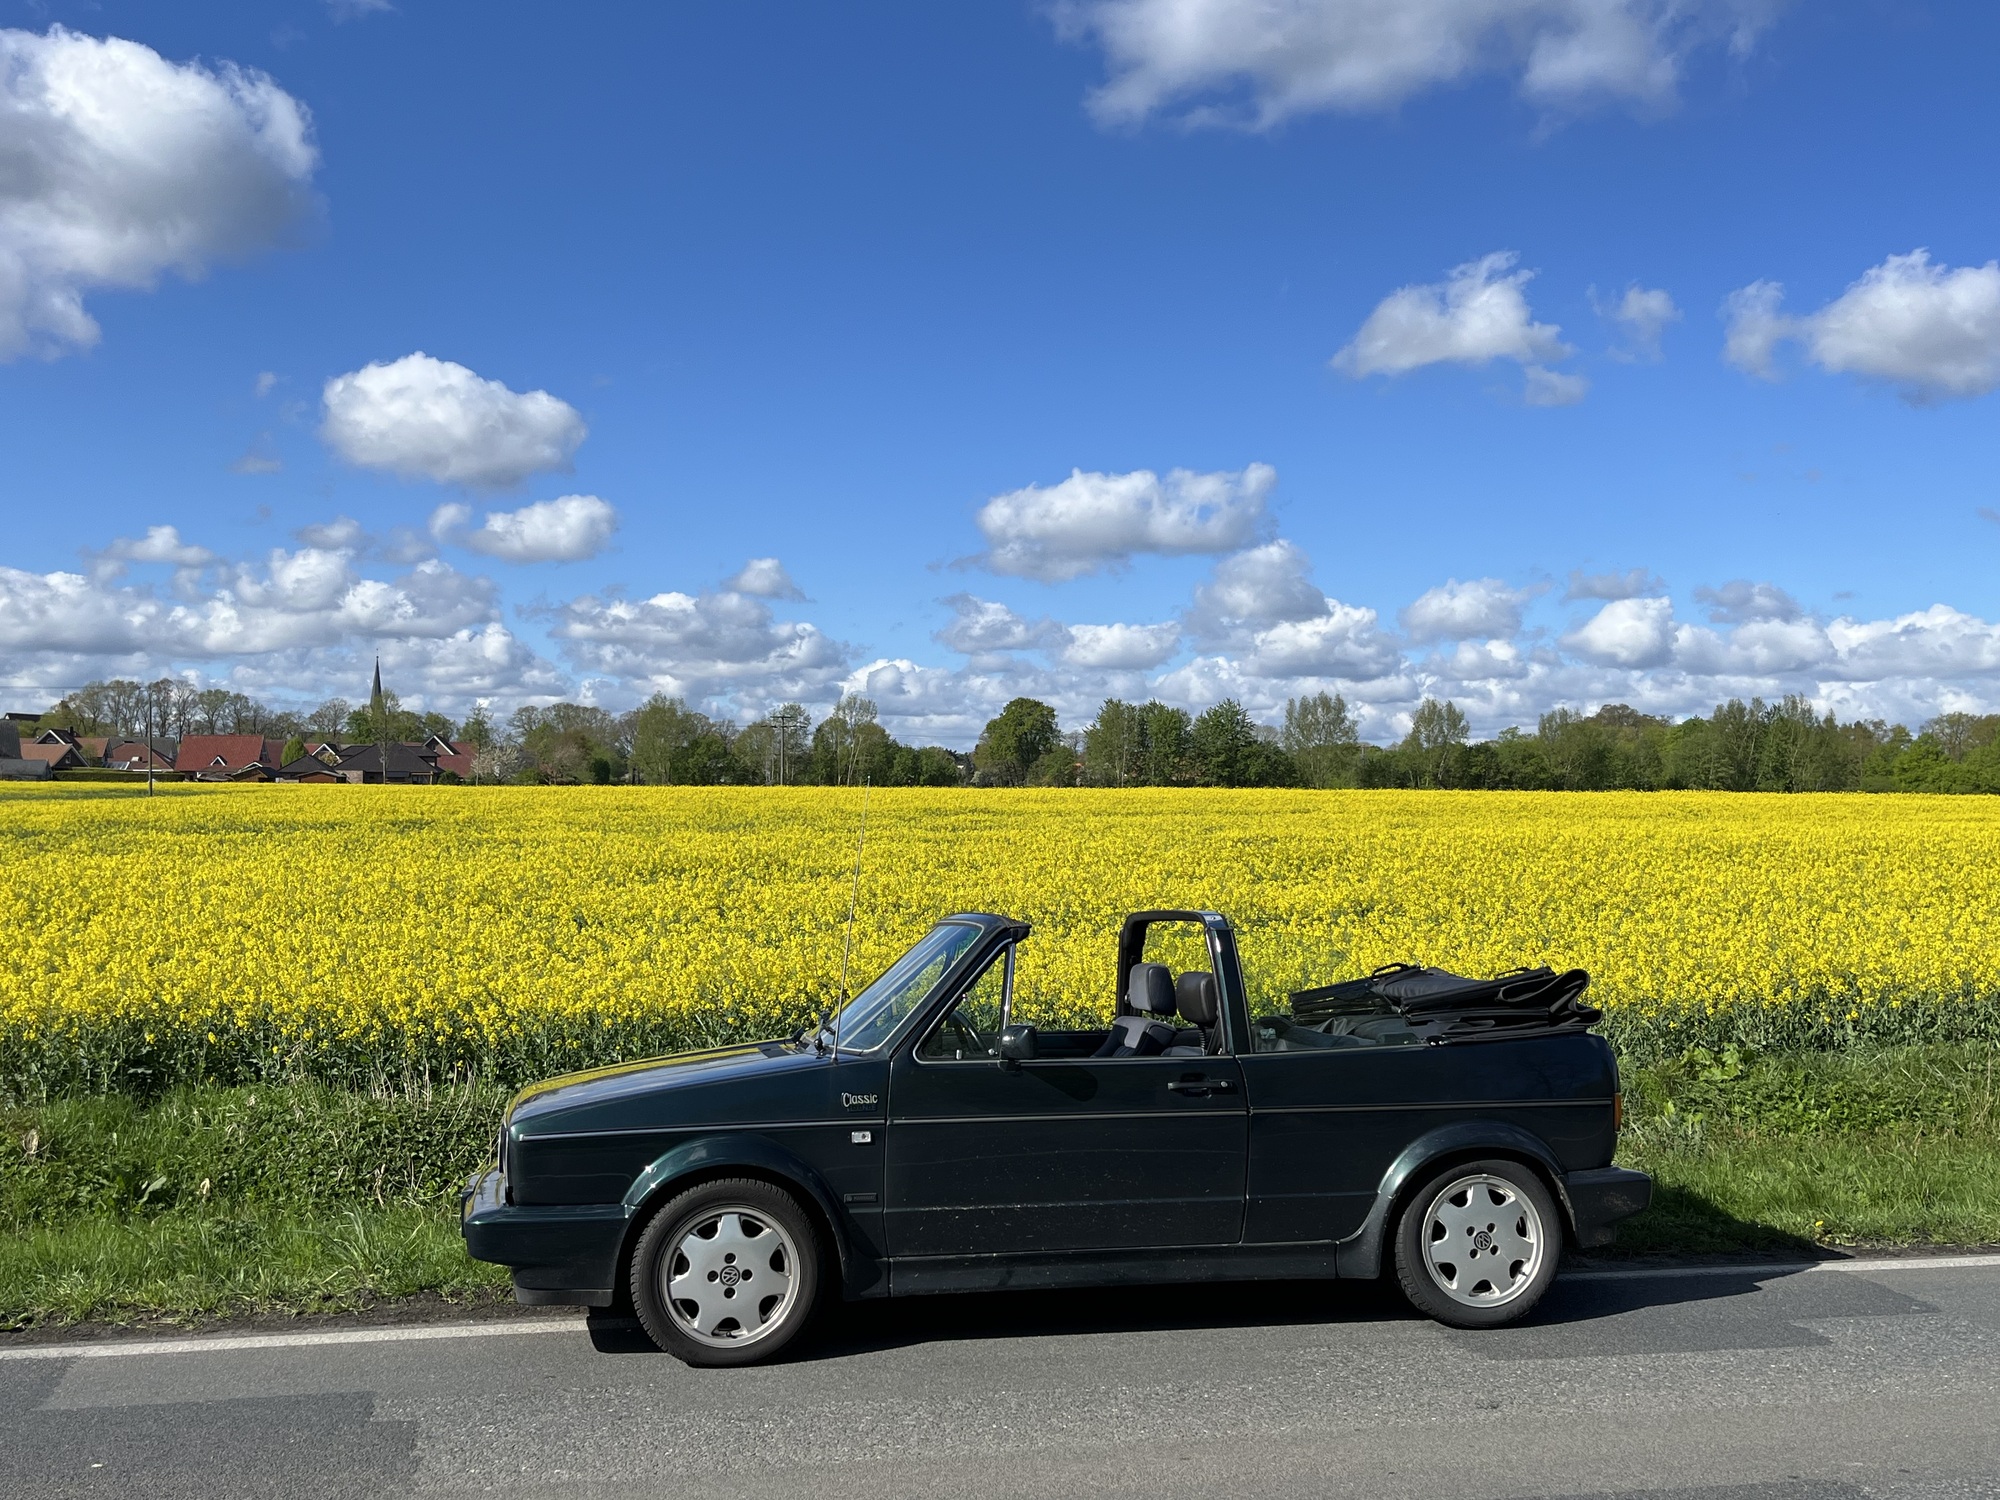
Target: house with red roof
{"points": [[57, 755], [135, 755], [451, 755], [228, 757]]}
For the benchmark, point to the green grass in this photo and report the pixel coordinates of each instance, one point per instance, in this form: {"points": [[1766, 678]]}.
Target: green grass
{"points": [[302, 1197], [186, 1265], [1868, 1147]]}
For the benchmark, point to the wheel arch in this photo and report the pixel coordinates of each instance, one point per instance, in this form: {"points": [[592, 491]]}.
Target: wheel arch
{"points": [[716, 1157], [1361, 1254]]}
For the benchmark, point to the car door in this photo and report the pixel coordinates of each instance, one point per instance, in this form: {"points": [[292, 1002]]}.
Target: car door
{"points": [[1066, 1153]]}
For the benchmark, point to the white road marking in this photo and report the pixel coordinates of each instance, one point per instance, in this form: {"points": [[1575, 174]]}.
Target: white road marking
{"points": [[221, 1343], [503, 1328], [1859, 1266]]}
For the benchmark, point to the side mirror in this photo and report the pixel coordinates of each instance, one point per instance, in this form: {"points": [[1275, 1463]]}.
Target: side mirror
{"points": [[1017, 1044]]}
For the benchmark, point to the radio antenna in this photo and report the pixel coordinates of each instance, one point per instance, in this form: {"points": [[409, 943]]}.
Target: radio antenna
{"points": [[853, 904]]}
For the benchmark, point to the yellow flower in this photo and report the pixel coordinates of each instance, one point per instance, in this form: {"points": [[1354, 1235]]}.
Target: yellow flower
{"points": [[339, 928]]}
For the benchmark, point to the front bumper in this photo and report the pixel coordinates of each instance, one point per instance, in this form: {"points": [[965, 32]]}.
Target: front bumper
{"points": [[1600, 1197], [566, 1253]]}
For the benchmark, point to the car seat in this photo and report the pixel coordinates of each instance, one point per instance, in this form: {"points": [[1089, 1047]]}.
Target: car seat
{"points": [[1144, 1033], [1196, 999]]}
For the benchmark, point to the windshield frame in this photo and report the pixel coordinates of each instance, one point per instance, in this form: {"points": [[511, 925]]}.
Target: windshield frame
{"points": [[840, 1024]]}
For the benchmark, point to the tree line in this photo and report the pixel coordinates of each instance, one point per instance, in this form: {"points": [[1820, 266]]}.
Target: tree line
{"points": [[1784, 746], [1756, 746]]}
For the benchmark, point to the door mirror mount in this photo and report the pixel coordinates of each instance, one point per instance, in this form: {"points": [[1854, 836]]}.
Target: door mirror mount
{"points": [[1017, 1045]]}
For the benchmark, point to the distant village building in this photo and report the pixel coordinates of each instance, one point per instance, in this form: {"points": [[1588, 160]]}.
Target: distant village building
{"points": [[14, 766], [232, 757], [57, 755], [228, 757], [136, 755]]}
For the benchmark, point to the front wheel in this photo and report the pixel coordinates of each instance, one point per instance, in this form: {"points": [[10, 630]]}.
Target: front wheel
{"points": [[1478, 1244], [727, 1273]]}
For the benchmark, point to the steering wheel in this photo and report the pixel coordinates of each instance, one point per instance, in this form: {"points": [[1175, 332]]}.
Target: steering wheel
{"points": [[971, 1042]]}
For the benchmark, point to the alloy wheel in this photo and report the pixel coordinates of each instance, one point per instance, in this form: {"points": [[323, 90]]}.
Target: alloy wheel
{"points": [[1483, 1240], [731, 1278]]}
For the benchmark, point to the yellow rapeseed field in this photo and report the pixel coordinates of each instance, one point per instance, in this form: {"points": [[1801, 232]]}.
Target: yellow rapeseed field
{"points": [[354, 930]]}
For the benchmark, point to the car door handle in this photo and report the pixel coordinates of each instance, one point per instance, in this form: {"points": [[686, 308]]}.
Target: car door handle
{"points": [[1199, 1086]]}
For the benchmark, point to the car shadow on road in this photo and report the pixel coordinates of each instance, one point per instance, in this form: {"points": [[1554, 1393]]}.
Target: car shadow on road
{"points": [[856, 1328]]}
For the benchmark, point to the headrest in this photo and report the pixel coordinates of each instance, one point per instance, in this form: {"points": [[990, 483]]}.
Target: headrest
{"points": [[1195, 998], [1150, 990]]}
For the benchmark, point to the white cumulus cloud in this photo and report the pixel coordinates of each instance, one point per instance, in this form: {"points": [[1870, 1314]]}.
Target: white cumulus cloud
{"points": [[1620, 585], [1927, 328], [1627, 633], [568, 529], [1091, 521], [1255, 587], [980, 627], [431, 419], [1477, 314], [697, 645], [1256, 63], [1642, 315], [1122, 648], [160, 544], [766, 578], [1740, 601], [117, 165], [1484, 608]]}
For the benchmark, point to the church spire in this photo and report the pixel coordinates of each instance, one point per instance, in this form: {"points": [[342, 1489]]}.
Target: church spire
{"points": [[375, 697]]}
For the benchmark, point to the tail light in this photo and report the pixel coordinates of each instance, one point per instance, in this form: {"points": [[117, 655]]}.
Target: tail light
{"points": [[1617, 1112]]}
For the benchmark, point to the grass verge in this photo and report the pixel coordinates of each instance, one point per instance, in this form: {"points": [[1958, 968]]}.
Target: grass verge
{"points": [[305, 1198]]}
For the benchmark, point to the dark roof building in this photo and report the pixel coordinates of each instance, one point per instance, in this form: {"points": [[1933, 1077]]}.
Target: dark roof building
{"points": [[407, 764], [307, 768]]}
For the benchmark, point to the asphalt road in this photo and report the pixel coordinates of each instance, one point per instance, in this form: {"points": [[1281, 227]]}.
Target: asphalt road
{"points": [[1735, 1386]]}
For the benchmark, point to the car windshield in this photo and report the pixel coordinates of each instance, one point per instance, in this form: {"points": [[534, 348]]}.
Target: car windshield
{"points": [[872, 1015]]}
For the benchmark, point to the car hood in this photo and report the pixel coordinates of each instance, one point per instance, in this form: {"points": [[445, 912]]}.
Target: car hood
{"points": [[717, 1085]]}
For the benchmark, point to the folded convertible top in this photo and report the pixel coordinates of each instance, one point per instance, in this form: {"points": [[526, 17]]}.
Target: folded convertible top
{"points": [[1445, 1007]]}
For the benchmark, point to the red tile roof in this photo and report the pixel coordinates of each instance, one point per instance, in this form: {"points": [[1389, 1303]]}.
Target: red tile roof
{"points": [[60, 757], [452, 755], [221, 754], [131, 754]]}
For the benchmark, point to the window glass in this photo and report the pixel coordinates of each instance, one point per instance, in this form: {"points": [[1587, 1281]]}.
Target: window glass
{"points": [[871, 1016], [971, 1028]]}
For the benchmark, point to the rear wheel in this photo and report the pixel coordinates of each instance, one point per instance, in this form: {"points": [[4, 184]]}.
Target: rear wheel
{"points": [[1478, 1244], [727, 1273]]}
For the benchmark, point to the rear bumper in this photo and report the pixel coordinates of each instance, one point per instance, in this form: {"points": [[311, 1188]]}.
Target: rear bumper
{"points": [[560, 1254], [1600, 1197]]}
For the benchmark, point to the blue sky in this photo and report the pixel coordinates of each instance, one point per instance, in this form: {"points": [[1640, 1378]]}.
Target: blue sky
{"points": [[856, 290]]}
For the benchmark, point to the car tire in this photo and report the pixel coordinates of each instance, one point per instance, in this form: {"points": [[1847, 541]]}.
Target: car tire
{"points": [[1478, 1244], [726, 1273]]}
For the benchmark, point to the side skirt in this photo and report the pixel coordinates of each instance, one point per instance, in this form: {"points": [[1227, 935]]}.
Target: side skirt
{"points": [[919, 1275]]}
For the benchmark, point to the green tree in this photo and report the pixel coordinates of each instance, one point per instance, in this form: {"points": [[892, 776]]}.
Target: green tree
{"points": [[1223, 745], [850, 747], [1321, 738], [663, 732], [477, 731], [1165, 745], [1015, 741], [778, 747], [1114, 746], [1437, 733]]}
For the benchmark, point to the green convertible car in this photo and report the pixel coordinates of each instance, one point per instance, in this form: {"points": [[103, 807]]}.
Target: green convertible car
{"points": [[1457, 1133]]}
